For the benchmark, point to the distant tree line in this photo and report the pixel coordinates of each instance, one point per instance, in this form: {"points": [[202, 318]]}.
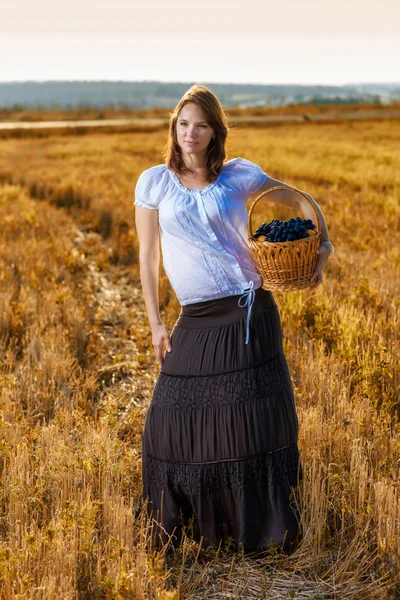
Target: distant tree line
{"points": [[156, 94]]}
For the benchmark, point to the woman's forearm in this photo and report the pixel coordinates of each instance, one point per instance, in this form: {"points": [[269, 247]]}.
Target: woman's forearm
{"points": [[308, 213], [294, 200], [149, 277]]}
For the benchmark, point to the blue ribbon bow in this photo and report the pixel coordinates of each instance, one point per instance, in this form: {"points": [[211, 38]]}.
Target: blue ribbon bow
{"points": [[248, 298]]}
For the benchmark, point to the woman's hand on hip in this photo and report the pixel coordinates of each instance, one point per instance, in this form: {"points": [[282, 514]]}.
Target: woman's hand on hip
{"points": [[159, 335]]}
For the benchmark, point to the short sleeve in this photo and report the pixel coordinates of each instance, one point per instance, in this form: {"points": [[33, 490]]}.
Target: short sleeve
{"points": [[149, 188], [248, 175]]}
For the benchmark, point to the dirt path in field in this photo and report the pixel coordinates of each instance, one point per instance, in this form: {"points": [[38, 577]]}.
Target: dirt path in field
{"points": [[116, 337], [159, 122], [121, 356]]}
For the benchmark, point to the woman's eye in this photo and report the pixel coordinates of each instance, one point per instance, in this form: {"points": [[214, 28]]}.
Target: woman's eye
{"points": [[183, 124]]}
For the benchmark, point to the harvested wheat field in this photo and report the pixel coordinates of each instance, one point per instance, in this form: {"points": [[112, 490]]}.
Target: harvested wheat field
{"points": [[77, 372]]}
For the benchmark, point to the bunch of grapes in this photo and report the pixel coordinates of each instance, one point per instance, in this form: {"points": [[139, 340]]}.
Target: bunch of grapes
{"points": [[285, 231]]}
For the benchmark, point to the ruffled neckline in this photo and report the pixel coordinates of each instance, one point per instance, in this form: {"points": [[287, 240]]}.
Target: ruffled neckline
{"points": [[208, 187]]}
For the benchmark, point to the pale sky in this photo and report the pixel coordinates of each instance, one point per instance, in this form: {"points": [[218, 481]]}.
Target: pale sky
{"points": [[286, 41]]}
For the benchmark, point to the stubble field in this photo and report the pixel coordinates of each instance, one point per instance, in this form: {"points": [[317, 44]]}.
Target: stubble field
{"points": [[77, 372]]}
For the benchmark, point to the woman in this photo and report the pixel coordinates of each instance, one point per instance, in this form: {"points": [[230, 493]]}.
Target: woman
{"points": [[220, 451]]}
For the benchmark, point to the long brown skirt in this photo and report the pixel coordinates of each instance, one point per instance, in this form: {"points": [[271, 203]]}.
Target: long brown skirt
{"points": [[220, 455]]}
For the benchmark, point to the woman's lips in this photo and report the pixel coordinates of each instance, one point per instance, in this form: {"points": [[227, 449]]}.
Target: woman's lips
{"points": [[191, 143]]}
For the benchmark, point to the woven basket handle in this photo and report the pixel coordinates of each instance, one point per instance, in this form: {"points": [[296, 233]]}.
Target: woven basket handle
{"points": [[277, 187]]}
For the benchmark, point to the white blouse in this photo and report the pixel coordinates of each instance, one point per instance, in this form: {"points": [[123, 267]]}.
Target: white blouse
{"points": [[204, 232]]}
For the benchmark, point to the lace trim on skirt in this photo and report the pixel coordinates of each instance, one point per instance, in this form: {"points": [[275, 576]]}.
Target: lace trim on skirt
{"points": [[179, 392], [196, 479]]}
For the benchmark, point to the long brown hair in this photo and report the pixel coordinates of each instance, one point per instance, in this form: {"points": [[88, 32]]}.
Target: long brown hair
{"points": [[216, 154]]}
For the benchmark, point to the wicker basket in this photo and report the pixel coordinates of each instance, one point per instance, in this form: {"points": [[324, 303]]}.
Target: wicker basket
{"points": [[285, 266]]}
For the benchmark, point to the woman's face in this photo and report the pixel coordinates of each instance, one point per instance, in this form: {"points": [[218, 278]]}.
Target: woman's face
{"points": [[192, 130]]}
